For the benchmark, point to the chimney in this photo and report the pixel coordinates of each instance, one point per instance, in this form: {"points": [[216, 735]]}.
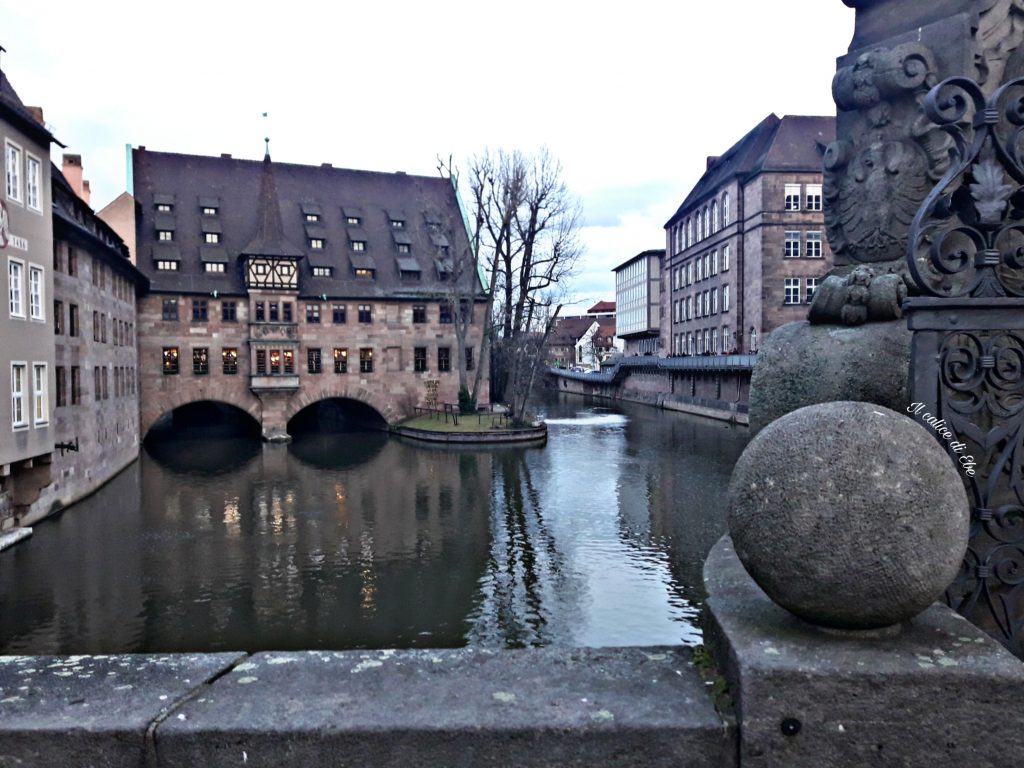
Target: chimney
{"points": [[72, 169], [37, 114], [712, 159]]}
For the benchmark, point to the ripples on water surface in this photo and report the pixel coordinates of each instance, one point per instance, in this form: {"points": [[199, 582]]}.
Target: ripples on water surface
{"points": [[365, 541]]}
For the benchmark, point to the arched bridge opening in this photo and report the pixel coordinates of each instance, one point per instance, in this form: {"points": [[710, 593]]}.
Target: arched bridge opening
{"points": [[204, 419], [335, 415]]}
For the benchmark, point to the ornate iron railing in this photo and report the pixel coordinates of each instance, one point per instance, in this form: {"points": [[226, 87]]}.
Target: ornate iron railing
{"points": [[966, 258]]}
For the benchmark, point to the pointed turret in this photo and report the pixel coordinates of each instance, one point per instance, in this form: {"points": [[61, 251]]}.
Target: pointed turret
{"points": [[269, 238]]}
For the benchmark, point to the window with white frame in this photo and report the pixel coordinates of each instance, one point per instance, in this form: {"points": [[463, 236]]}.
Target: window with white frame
{"points": [[753, 340], [725, 210], [792, 290], [689, 273], [33, 189], [792, 245], [706, 258], [707, 303], [714, 301], [726, 340], [813, 244], [792, 192], [725, 298], [16, 287], [714, 262], [211, 266], [706, 226], [40, 394], [698, 303], [714, 216], [167, 266], [700, 275], [707, 339], [813, 198], [810, 285], [689, 308], [13, 171], [19, 419], [725, 258], [689, 232], [35, 293], [164, 235], [211, 238]]}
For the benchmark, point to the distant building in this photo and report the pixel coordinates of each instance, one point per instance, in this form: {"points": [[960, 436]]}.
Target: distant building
{"points": [[582, 340], [275, 286], [638, 302], [746, 248], [26, 319], [602, 309]]}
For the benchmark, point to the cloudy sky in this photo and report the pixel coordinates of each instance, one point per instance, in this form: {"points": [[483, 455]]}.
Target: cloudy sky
{"points": [[630, 97]]}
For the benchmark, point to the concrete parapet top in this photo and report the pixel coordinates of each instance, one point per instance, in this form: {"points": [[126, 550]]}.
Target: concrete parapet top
{"points": [[536, 707]]}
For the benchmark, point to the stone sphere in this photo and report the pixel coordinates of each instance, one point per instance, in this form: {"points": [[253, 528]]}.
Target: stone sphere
{"points": [[848, 515]]}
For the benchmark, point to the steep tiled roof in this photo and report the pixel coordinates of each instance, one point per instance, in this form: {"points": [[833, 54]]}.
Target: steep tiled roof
{"points": [[568, 330], [12, 108], [793, 143], [602, 306], [241, 193]]}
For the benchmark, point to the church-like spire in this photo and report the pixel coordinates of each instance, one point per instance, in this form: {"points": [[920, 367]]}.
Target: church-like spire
{"points": [[269, 238]]}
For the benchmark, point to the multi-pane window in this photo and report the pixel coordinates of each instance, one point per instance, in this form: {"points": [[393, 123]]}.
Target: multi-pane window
{"points": [[397, 224], [165, 265], [15, 287], [365, 360], [714, 262], [353, 221], [811, 285], [792, 200], [313, 217], [13, 166], [358, 245], [95, 325], [288, 360], [261, 362], [58, 317], [338, 314], [165, 235], [813, 197], [321, 271], [40, 394], [444, 359], [275, 311], [76, 385], [792, 290], [33, 191], [725, 210], [419, 359], [725, 298], [314, 360], [316, 243], [229, 360], [62, 386], [286, 311], [725, 257], [170, 355], [229, 311], [814, 244], [199, 311], [18, 376], [211, 238], [714, 301], [209, 211], [445, 312], [365, 313], [791, 249], [419, 313], [364, 274], [726, 340], [404, 248], [73, 320], [340, 360], [200, 361], [97, 385], [164, 207], [312, 313], [214, 267], [260, 312], [35, 293], [170, 309]]}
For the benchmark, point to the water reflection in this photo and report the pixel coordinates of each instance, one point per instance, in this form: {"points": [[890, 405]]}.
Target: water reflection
{"points": [[360, 540]]}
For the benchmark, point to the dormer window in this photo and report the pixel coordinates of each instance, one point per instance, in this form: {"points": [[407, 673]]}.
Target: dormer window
{"points": [[211, 238], [167, 266], [209, 211], [164, 235], [316, 243], [353, 221], [164, 208], [404, 248], [397, 224], [313, 217], [364, 274], [358, 245], [321, 271]]}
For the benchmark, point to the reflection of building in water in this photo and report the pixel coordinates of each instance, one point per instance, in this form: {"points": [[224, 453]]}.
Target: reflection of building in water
{"points": [[297, 555]]}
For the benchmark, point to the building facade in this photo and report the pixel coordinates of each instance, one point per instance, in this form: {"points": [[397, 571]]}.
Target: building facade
{"points": [[96, 405], [276, 286], [638, 302], [26, 321], [746, 249]]}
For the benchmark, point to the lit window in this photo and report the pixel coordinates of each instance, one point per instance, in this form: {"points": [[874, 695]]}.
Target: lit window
{"points": [[214, 267], [419, 313], [229, 360], [814, 197], [200, 361], [314, 360], [312, 217], [211, 238], [340, 360], [165, 235], [338, 314], [792, 192], [13, 155], [316, 243], [814, 245], [170, 360], [15, 287], [321, 271], [312, 313], [358, 245], [365, 313], [397, 224], [33, 195], [404, 248], [18, 415], [209, 211], [364, 274], [811, 284], [167, 266], [792, 290], [419, 359], [792, 245], [353, 221], [163, 208], [365, 360], [444, 359], [288, 359]]}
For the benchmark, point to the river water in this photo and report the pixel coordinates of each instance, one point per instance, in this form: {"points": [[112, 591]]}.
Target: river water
{"points": [[361, 540]]}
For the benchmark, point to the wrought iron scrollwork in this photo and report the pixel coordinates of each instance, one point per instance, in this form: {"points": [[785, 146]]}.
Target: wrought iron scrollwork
{"points": [[967, 238]]}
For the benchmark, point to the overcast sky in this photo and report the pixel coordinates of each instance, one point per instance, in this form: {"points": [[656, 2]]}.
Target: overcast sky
{"points": [[631, 97]]}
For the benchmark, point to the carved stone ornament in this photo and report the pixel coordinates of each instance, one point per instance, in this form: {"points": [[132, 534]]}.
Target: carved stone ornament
{"points": [[999, 55]]}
